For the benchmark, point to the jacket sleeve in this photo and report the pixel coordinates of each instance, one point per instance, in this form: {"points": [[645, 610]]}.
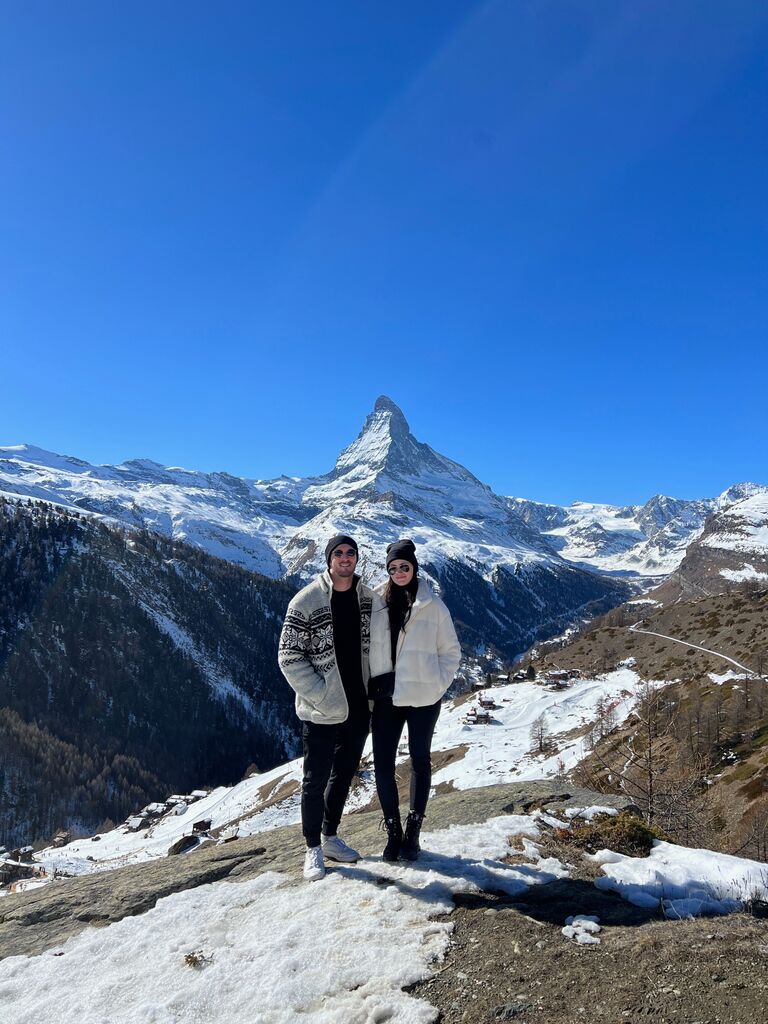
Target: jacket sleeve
{"points": [[293, 657], [448, 648]]}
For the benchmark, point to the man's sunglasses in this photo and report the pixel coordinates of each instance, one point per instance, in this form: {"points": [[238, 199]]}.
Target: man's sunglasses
{"points": [[338, 553], [394, 570]]}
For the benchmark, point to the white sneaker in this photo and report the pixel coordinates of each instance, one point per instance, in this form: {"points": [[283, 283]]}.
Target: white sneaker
{"points": [[336, 849], [314, 868]]}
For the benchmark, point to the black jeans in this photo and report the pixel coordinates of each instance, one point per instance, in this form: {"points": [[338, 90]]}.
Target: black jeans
{"points": [[331, 757], [387, 728]]}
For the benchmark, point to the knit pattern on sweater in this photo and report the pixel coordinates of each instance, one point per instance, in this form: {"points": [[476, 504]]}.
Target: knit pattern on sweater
{"points": [[306, 651]]}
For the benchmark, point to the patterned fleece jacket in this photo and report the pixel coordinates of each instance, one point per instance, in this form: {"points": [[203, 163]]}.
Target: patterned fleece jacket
{"points": [[307, 657]]}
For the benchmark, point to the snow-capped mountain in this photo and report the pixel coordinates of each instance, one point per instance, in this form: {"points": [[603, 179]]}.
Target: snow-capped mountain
{"points": [[730, 551], [384, 482], [387, 484], [512, 570], [647, 540], [742, 528], [239, 520], [504, 583]]}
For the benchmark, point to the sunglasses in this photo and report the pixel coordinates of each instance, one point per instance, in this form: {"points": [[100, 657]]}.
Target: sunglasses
{"points": [[394, 570]]}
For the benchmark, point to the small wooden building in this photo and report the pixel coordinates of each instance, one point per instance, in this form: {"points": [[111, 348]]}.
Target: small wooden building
{"points": [[558, 675], [136, 823], [476, 717]]}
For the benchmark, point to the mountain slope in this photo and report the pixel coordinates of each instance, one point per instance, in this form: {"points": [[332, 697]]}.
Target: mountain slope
{"points": [[242, 521], [145, 663], [731, 551]]}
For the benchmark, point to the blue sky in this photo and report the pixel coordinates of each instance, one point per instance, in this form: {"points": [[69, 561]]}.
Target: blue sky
{"points": [[540, 227]]}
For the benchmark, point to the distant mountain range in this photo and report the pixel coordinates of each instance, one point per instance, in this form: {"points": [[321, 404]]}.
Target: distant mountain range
{"points": [[647, 540], [730, 551], [513, 571]]}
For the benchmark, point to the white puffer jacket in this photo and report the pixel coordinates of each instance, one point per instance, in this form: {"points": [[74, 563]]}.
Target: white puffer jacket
{"points": [[428, 651]]}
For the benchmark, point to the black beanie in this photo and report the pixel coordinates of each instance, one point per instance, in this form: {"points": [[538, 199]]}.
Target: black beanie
{"points": [[333, 543], [404, 549]]}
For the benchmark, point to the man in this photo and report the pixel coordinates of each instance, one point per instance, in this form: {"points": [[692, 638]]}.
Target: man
{"points": [[324, 648]]}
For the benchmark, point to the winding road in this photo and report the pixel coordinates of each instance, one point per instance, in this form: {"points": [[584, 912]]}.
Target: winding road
{"points": [[686, 643]]}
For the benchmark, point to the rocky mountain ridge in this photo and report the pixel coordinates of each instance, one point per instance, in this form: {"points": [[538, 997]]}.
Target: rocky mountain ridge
{"points": [[729, 553]]}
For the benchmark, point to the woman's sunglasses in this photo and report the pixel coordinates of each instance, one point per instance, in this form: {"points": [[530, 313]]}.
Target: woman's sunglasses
{"points": [[394, 570]]}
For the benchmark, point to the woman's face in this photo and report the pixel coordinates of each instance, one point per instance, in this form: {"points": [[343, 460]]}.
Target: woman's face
{"points": [[400, 572]]}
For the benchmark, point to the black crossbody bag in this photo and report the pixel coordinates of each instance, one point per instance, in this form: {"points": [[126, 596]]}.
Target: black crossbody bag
{"points": [[381, 687]]}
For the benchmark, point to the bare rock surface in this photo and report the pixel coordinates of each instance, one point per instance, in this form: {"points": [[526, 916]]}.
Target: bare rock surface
{"points": [[510, 962]]}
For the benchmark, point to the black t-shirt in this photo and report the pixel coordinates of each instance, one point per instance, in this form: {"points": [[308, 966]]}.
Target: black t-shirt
{"points": [[345, 610]]}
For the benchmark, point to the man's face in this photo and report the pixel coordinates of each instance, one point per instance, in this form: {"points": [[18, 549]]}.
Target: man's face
{"points": [[343, 562]]}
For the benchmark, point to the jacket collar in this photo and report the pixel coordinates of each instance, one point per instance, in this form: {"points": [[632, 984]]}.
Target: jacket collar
{"points": [[423, 595]]}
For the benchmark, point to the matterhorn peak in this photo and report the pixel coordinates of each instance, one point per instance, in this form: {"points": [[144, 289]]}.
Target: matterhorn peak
{"points": [[386, 411], [385, 458], [385, 435], [385, 404]]}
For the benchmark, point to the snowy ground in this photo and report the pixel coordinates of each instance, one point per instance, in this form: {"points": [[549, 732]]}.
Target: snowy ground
{"points": [[341, 951], [501, 751], [337, 951], [686, 882]]}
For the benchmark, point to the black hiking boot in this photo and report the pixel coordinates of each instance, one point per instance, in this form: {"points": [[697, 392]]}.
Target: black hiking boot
{"points": [[410, 848], [394, 837]]}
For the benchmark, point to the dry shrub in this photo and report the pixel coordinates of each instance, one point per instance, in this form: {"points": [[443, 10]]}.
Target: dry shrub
{"points": [[648, 938], [550, 844], [623, 833], [198, 959]]}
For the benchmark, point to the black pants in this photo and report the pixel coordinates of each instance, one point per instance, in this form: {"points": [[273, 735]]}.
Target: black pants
{"points": [[387, 728], [331, 757]]}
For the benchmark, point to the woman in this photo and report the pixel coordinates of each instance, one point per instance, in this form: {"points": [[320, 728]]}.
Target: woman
{"points": [[412, 633]]}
